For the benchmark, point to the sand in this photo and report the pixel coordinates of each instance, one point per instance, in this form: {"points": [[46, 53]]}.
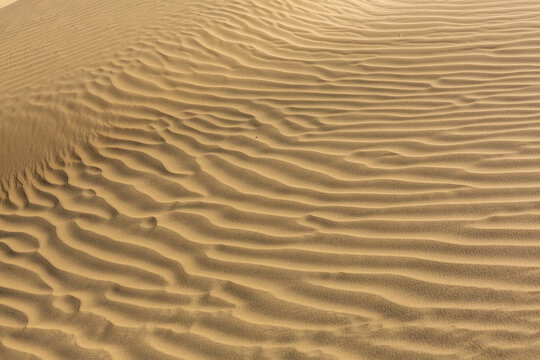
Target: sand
{"points": [[270, 179], [4, 3]]}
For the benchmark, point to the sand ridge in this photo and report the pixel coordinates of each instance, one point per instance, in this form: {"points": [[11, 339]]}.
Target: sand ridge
{"points": [[254, 179], [4, 3]]}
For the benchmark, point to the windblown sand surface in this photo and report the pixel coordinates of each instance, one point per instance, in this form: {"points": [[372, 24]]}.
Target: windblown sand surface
{"points": [[4, 3], [270, 179]]}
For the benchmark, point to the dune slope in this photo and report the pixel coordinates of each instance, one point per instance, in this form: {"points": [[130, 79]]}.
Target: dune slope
{"points": [[270, 179]]}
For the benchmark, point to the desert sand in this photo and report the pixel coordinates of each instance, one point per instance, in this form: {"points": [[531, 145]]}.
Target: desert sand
{"points": [[269, 179], [4, 3]]}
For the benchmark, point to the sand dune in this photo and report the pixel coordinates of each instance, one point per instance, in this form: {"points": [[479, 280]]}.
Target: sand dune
{"points": [[4, 3], [252, 179]]}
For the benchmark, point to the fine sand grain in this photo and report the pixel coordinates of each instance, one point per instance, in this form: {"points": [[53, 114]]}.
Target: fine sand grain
{"points": [[4, 3], [270, 179]]}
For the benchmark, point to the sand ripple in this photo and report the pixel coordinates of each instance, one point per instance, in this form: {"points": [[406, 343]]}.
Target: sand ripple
{"points": [[281, 179]]}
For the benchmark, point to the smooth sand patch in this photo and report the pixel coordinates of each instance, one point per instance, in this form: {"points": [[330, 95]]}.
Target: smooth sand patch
{"points": [[4, 3]]}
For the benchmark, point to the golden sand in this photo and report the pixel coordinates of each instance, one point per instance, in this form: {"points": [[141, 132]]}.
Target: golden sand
{"points": [[270, 179]]}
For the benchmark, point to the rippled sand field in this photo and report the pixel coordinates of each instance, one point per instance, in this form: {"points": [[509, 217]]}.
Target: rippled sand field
{"points": [[270, 179]]}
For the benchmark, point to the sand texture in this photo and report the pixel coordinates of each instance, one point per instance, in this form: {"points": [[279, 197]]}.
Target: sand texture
{"points": [[270, 179]]}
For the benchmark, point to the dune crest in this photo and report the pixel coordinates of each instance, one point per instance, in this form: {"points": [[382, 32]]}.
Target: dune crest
{"points": [[4, 3], [279, 179]]}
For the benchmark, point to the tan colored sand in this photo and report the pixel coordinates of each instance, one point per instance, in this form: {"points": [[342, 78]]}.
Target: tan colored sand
{"points": [[270, 179], [4, 3]]}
